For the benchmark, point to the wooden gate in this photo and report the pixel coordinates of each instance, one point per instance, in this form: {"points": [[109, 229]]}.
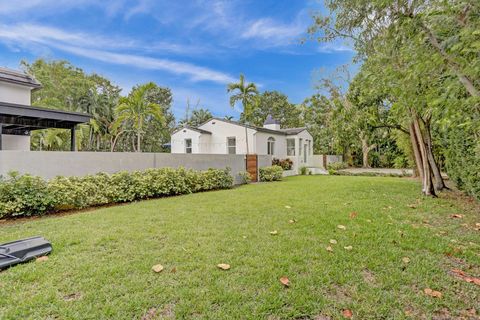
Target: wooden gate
{"points": [[252, 166]]}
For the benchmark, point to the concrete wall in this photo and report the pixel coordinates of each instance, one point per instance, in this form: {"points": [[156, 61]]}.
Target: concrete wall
{"points": [[13, 93], [14, 142], [49, 164], [317, 160]]}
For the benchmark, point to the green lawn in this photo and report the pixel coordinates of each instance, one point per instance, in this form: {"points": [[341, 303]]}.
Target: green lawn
{"points": [[101, 264]]}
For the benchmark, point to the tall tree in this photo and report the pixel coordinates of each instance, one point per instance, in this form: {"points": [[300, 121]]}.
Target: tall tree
{"points": [[246, 93], [136, 110]]}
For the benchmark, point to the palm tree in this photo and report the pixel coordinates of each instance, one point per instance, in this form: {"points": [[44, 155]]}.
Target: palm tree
{"points": [[135, 109], [246, 93]]}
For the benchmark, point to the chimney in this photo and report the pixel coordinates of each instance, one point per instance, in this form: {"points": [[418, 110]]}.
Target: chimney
{"points": [[271, 123]]}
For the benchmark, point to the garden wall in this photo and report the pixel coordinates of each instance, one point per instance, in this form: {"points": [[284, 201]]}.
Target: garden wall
{"points": [[48, 164]]}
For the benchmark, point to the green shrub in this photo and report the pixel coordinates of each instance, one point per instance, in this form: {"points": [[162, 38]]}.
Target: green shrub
{"points": [[303, 170], [286, 164], [337, 166], [25, 195], [245, 177], [273, 173]]}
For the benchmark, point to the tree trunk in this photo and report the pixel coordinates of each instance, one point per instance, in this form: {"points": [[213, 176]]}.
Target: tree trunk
{"points": [[427, 184], [439, 184], [416, 151], [139, 135], [246, 137], [365, 151]]}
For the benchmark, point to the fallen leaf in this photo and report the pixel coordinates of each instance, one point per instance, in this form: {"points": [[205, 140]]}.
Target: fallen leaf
{"points": [[274, 232], [72, 296], [174, 270], [368, 220], [42, 259], [353, 214], [348, 248], [412, 206], [285, 281], [341, 227], [292, 221], [329, 249], [244, 237], [432, 293], [456, 215], [223, 266], [406, 260], [157, 268], [288, 207], [333, 241], [462, 275], [347, 313]]}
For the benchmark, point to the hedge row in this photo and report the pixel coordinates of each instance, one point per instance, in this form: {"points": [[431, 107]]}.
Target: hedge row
{"points": [[273, 173], [26, 195]]}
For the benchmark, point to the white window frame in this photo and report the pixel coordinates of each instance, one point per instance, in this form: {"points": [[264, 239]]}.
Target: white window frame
{"points": [[230, 147], [271, 146], [291, 149], [188, 147]]}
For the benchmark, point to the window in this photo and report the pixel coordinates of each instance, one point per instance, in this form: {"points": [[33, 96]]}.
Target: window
{"points": [[188, 145], [231, 145], [270, 146], [309, 147], [299, 147], [290, 147]]}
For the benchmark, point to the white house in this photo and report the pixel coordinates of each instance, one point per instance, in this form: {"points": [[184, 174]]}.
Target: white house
{"points": [[220, 136]]}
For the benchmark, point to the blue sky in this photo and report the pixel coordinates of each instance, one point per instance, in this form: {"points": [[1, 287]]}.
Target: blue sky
{"points": [[194, 47]]}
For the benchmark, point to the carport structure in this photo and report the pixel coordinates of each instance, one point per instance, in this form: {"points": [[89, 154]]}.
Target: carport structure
{"points": [[17, 119]]}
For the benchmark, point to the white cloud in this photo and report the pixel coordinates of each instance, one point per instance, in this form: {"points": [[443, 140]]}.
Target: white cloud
{"points": [[100, 48], [332, 47], [274, 33]]}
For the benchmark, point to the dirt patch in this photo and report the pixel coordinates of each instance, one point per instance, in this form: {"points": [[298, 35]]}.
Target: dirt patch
{"points": [[72, 296], [369, 277]]}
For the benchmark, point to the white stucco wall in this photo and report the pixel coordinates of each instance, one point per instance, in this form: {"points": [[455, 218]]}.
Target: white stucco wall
{"points": [[222, 130], [178, 141], [13, 93], [280, 148], [14, 142]]}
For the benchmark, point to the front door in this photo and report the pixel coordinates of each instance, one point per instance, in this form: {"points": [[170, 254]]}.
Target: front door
{"points": [[305, 151]]}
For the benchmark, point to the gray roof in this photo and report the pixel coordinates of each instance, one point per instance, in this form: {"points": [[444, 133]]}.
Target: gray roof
{"points": [[291, 131], [271, 120], [193, 129], [17, 77], [17, 118]]}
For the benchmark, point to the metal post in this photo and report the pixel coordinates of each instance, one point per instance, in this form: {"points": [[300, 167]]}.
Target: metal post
{"points": [[73, 139]]}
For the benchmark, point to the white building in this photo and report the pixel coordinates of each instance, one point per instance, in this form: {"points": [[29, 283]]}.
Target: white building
{"points": [[220, 136]]}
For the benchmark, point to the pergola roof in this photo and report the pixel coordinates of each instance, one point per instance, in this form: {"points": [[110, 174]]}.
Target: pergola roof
{"points": [[21, 119]]}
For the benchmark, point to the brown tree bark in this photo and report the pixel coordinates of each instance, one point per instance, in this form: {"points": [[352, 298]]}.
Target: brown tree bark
{"points": [[427, 183], [416, 151], [366, 148], [439, 183]]}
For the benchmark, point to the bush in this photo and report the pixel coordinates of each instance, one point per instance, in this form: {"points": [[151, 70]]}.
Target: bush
{"points": [[273, 173], [335, 166], [286, 164], [245, 177], [303, 171], [25, 195]]}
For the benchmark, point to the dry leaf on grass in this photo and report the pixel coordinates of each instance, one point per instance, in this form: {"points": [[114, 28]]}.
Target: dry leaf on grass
{"points": [[288, 207], [347, 313], [462, 275], [329, 249], [157, 268], [174, 270], [72, 296], [432, 293], [333, 241], [353, 214], [292, 221], [412, 206], [406, 260], [223, 266], [342, 227], [348, 248], [42, 259], [285, 281], [274, 232], [456, 215]]}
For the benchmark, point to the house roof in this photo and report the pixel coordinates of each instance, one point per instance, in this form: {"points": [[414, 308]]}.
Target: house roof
{"points": [[288, 131], [193, 129], [21, 119], [17, 77]]}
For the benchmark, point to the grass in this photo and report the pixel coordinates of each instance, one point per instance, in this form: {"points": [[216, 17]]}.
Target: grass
{"points": [[101, 264]]}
